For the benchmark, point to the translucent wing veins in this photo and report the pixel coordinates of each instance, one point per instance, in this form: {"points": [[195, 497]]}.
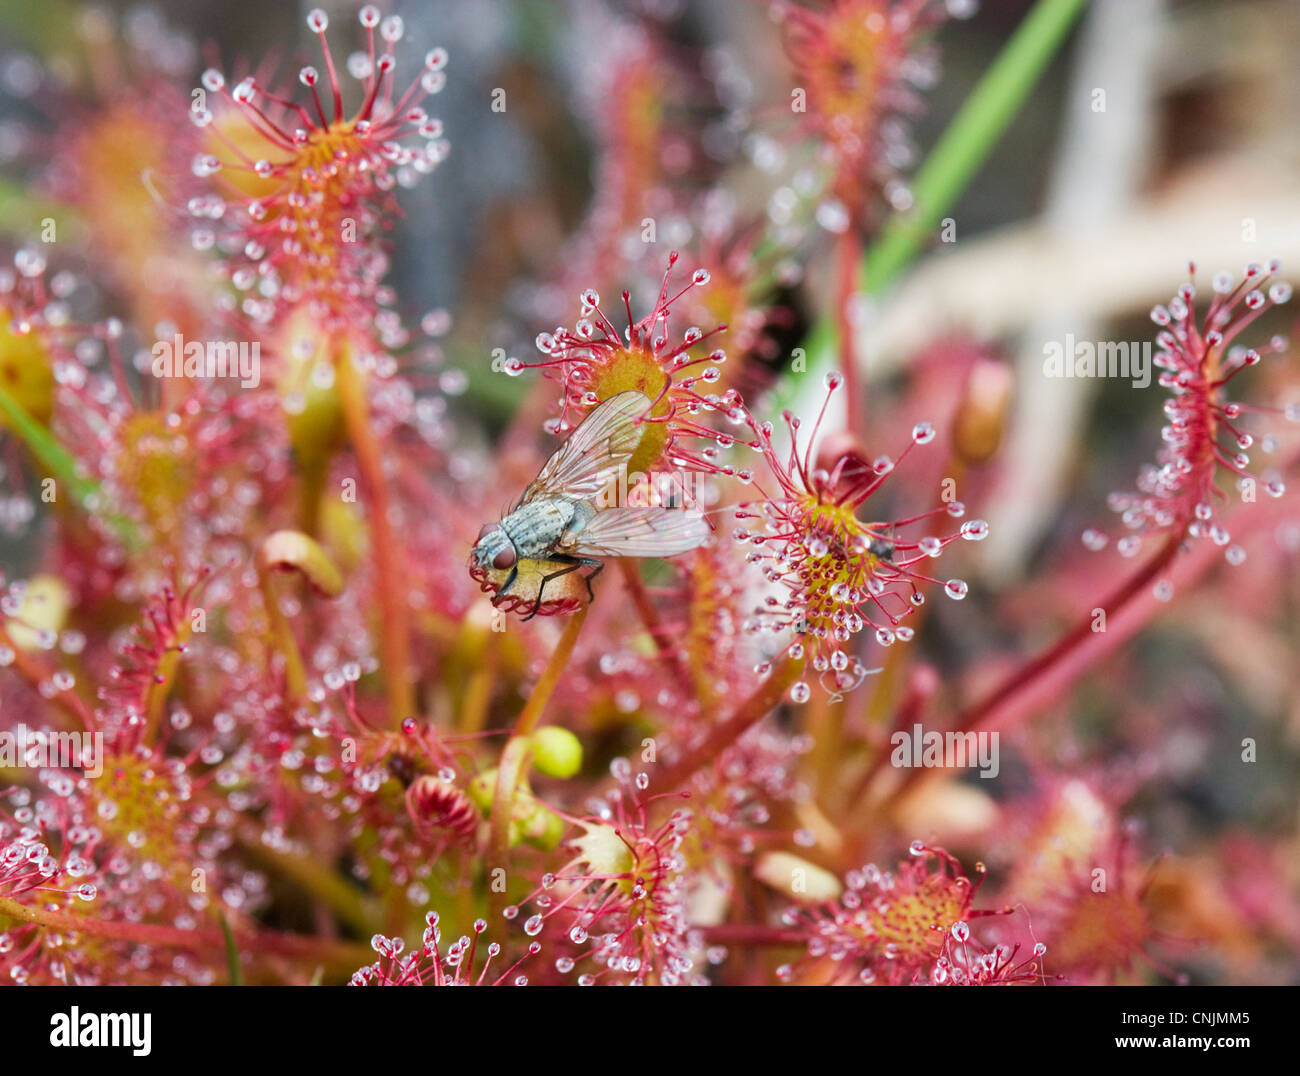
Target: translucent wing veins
{"points": [[603, 442], [641, 532]]}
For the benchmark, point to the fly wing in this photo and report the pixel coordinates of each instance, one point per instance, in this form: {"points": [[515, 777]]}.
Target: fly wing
{"points": [[605, 440], [641, 532]]}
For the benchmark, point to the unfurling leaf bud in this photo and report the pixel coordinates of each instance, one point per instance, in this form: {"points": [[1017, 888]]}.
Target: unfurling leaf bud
{"points": [[292, 550]]}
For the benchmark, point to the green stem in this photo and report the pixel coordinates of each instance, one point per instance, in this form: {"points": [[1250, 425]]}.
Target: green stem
{"points": [[514, 759], [531, 714], [232, 951], [295, 672], [514, 755], [60, 463], [960, 152], [971, 136]]}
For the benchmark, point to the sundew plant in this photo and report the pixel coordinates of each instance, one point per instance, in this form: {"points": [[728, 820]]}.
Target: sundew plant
{"points": [[660, 493]]}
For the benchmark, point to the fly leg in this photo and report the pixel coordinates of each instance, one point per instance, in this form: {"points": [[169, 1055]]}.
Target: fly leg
{"points": [[573, 564], [510, 581], [600, 567]]}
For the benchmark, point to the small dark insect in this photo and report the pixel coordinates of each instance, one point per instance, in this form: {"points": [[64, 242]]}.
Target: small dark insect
{"points": [[881, 549]]}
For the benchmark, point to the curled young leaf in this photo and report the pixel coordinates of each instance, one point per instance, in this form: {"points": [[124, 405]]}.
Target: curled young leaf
{"points": [[295, 551]]}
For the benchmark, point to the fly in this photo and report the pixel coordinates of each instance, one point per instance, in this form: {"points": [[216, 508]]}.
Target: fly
{"points": [[881, 549], [560, 517]]}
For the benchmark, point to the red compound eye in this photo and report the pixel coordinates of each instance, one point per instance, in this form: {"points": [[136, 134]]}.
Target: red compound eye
{"points": [[484, 531], [504, 559]]}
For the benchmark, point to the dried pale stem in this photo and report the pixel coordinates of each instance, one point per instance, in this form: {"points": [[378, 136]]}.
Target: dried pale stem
{"points": [[394, 623]]}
